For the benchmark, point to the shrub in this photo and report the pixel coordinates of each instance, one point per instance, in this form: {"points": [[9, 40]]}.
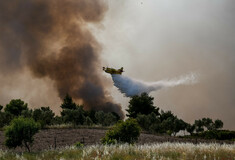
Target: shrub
{"points": [[79, 145], [124, 131], [88, 121], [20, 132], [218, 134]]}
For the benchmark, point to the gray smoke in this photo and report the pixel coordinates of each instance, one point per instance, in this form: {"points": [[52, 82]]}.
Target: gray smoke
{"points": [[130, 87], [53, 41]]}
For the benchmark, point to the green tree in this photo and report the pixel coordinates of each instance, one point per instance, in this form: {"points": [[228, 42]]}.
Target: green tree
{"points": [[144, 121], [190, 128], [74, 116], [142, 104], [149, 122], [208, 123], [99, 115], [167, 125], [1, 107], [178, 125], [5, 119], [28, 113], [116, 115], [218, 124], [109, 119], [106, 119], [91, 114], [199, 126], [20, 132], [124, 131], [166, 115], [43, 115], [16, 106], [171, 124], [156, 127], [88, 121], [57, 120], [68, 103], [167, 121]]}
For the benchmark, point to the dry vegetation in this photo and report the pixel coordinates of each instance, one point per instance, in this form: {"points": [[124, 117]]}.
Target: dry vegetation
{"points": [[159, 151], [62, 137]]}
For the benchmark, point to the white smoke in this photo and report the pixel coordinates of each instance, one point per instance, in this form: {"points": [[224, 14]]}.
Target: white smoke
{"points": [[131, 87]]}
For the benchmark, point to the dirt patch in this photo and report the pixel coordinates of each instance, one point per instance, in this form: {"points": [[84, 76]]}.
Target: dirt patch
{"points": [[57, 138]]}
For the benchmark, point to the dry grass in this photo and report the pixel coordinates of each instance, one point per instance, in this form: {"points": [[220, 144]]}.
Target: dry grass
{"points": [[159, 151], [45, 139]]}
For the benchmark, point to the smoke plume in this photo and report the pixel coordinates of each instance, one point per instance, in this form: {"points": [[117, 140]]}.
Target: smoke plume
{"points": [[52, 39], [131, 87]]}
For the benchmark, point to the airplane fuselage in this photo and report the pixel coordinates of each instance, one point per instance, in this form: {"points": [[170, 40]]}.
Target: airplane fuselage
{"points": [[113, 71]]}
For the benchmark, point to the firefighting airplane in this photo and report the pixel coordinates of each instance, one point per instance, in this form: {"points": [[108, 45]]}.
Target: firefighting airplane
{"points": [[113, 71]]}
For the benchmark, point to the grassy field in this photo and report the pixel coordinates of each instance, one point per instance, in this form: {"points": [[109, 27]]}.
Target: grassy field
{"points": [[161, 151]]}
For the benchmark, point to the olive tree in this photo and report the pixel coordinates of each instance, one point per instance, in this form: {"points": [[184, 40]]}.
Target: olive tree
{"points": [[20, 132]]}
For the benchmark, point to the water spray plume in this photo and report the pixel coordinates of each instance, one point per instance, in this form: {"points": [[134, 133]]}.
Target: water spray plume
{"points": [[130, 87]]}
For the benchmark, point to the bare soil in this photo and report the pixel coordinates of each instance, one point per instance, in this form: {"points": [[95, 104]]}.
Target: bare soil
{"points": [[58, 138]]}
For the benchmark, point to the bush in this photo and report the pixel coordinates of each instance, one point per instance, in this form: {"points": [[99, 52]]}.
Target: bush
{"points": [[124, 131], [20, 132], [217, 134], [79, 145]]}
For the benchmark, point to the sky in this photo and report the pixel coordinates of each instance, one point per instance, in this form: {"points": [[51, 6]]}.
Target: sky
{"points": [[151, 39], [163, 39]]}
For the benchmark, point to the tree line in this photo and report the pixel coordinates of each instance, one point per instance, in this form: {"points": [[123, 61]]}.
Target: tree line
{"points": [[151, 119], [71, 114], [21, 123]]}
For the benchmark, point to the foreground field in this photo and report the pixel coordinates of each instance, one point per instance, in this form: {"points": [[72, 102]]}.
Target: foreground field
{"points": [[161, 151], [59, 138]]}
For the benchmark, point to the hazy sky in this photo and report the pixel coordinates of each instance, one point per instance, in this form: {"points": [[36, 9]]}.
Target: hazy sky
{"points": [[161, 39], [152, 40]]}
